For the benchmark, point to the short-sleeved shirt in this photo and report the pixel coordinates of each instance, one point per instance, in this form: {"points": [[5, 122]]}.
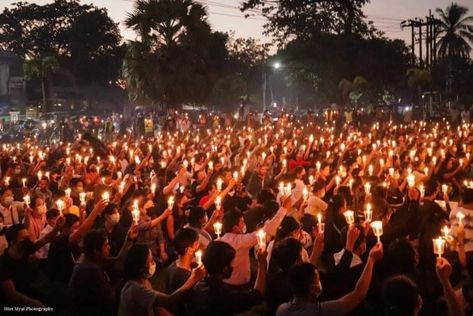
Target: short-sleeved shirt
{"points": [[136, 299], [175, 277], [329, 308]]}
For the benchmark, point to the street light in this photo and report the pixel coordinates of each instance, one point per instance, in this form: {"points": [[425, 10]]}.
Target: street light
{"points": [[277, 65]]}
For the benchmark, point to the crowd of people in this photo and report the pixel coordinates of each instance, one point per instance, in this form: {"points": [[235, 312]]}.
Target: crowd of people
{"points": [[286, 217]]}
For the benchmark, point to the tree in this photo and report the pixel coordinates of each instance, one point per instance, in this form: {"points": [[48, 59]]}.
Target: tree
{"points": [[291, 19], [353, 89], [418, 79], [83, 38], [455, 35], [41, 68]]}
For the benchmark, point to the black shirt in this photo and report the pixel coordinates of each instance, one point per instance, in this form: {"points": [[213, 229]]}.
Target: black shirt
{"points": [[60, 259], [17, 271]]}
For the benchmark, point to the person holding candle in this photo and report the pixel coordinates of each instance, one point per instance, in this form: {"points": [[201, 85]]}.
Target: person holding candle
{"points": [[35, 218], [213, 296], [334, 223], [116, 233], [466, 211], [315, 205], [186, 243], [51, 217], [10, 208], [234, 229], [177, 218]]}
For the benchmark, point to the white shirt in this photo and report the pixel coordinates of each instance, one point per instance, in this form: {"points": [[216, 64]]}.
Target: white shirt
{"points": [[315, 205], [298, 189], [242, 243], [11, 213], [42, 253], [467, 223], [355, 260]]}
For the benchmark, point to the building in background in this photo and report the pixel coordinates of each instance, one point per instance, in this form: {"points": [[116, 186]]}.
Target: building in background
{"points": [[12, 84]]}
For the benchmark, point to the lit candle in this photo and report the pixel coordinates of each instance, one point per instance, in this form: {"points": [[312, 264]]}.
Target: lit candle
{"points": [[460, 217], [318, 165], [422, 190], [444, 188], [7, 181], [288, 189], [305, 193], [218, 202], [411, 180], [368, 213], [218, 229], [106, 196], [198, 257], [367, 188], [24, 182], [68, 192], [311, 179], [261, 236], [439, 246], [219, 184], [135, 213], [281, 188], [185, 164], [370, 170], [377, 227], [60, 205], [337, 180], [171, 201], [211, 165], [82, 196], [349, 217], [284, 163], [153, 188], [27, 200], [320, 225]]}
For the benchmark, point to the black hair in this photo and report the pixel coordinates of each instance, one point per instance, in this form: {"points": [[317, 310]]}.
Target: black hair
{"points": [[12, 232], [467, 196], [301, 278], [288, 225], [135, 261], [400, 296], [110, 209], [318, 185], [231, 219], [286, 252], [218, 255], [430, 187], [195, 216], [401, 256], [183, 239], [265, 195], [93, 241], [70, 219], [361, 238], [52, 213]]}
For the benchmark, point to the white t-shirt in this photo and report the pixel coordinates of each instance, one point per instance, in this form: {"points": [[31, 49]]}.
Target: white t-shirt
{"points": [[136, 299], [315, 205]]}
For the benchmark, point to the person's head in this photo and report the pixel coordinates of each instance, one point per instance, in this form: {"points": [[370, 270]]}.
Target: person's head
{"points": [[467, 196], [197, 217], [139, 263], [96, 244], [43, 183], [262, 170], [71, 223], [218, 259], [290, 227], [18, 240], [201, 175], [401, 256], [111, 214], [318, 188], [7, 197], [51, 216], [336, 205], [401, 297], [299, 171], [325, 170], [304, 280], [77, 186], [186, 242], [431, 189], [287, 252], [360, 243], [233, 222], [38, 205]]}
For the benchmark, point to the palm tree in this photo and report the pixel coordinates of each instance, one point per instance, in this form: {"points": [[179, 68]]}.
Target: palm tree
{"points": [[164, 22], [353, 89], [455, 35], [41, 68]]}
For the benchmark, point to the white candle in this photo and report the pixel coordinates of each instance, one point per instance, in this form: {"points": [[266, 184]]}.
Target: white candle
{"points": [[445, 231], [235, 176], [24, 182], [60, 205], [218, 229], [377, 227], [153, 188], [411, 180], [349, 217], [320, 225], [338, 180], [68, 192], [261, 236], [288, 189], [460, 217], [219, 184], [444, 188], [171, 201], [318, 165], [218, 202], [281, 188], [27, 200], [198, 257], [305, 194], [367, 188], [439, 246], [135, 213], [106, 196], [82, 196]]}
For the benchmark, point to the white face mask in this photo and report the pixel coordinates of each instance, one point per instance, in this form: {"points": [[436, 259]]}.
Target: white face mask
{"points": [[114, 218], [151, 270], [243, 230]]}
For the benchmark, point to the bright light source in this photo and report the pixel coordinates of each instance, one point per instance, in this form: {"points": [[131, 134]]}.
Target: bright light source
{"points": [[277, 65]]}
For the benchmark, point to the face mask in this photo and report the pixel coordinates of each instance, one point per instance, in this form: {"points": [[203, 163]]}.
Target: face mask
{"points": [[42, 209], [243, 230], [114, 218], [8, 200], [151, 270], [27, 247]]}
